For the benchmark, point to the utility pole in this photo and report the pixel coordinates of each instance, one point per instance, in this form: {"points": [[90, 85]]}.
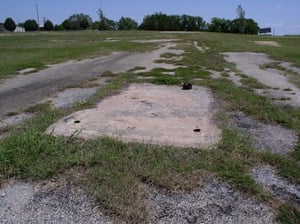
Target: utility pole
{"points": [[37, 14]]}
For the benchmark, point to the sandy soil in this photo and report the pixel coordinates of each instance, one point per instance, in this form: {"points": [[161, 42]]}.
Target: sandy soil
{"points": [[149, 114]]}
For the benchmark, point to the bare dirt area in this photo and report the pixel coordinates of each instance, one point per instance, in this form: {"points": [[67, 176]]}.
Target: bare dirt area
{"points": [[249, 63], [148, 114]]}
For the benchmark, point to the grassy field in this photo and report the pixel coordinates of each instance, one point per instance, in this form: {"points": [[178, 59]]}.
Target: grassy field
{"points": [[114, 170]]}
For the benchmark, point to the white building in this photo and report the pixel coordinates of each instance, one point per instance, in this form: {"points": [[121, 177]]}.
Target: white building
{"points": [[19, 29]]}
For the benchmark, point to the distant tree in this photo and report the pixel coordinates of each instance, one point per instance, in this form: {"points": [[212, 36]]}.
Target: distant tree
{"points": [[58, 27], [77, 22], [48, 25], [174, 23], [216, 25], [163, 22], [31, 25], [241, 21], [241, 14], [105, 23], [84, 24], [251, 27], [95, 25], [127, 24], [10, 24]]}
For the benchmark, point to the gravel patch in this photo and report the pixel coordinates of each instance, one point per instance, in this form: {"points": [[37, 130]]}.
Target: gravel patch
{"points": [[14, 120], [272, 138], [216, 203], [67, 98], [23, 203], [267, 178]]}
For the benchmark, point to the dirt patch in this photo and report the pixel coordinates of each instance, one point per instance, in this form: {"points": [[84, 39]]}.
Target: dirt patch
{"points": [[249, 64], [274, 139], [267, 178], [268, 43], [47, 203], [14, 120], [215, 203], [149, 114]]}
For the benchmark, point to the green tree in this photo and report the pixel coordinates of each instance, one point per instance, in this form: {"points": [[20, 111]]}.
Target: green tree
{"points": [[58, 27], [77, 22], [241, 21], [127, 24], [216, 25], [251, 27], [10, 24], [48, 25], [105, 23], [84, 24], [31, 25]]}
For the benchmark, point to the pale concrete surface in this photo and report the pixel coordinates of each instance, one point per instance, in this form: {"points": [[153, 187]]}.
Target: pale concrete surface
{"points": [[149, 114], [249, 64]]}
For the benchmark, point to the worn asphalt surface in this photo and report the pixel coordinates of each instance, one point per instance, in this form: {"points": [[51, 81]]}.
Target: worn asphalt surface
{"points": [[23, 91]]}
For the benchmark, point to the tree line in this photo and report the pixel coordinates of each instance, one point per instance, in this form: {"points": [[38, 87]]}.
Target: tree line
{"points": [[156, 22]]}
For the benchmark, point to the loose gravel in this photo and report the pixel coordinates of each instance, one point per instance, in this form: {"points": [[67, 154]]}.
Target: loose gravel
{"points": [[266, 137], [24, 203], [216, 203], [266, 177]]}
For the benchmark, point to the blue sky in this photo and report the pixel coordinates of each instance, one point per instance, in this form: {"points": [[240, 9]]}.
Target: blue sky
{"points": [[284, 16]]}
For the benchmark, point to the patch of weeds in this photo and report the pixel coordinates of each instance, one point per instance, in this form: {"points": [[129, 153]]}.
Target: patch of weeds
{"points": [[287, 166], [273, 65], [4, 130], [38, 108], [113, 87], [296, 153], [108, 74], [238, 99], [292, 75], [83, 85], [288, 215], [168, 55], [166, 80], [253, 83], [12, 113], [137, 68], [225, 74]]}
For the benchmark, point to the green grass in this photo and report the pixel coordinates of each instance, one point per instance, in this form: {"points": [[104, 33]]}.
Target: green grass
{"points": [[117, 172]]}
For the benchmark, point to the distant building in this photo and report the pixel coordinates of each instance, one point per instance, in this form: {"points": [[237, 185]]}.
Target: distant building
{"points": [[19, 29]]}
